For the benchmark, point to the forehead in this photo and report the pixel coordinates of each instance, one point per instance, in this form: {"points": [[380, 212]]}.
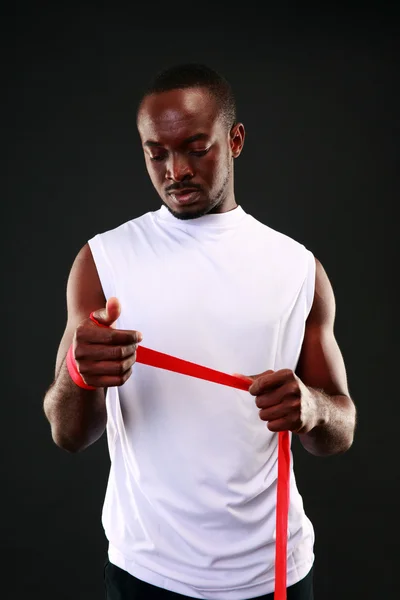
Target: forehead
{"points": [[177, 114]]}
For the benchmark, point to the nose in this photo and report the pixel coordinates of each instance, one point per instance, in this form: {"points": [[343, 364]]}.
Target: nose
{"points": [[179, 168]]}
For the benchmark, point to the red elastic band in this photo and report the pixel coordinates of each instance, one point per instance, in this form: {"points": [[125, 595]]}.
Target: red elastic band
{"points": [[71, 363], [96, 321], [282, 514], [73, 371], [160, 360]]}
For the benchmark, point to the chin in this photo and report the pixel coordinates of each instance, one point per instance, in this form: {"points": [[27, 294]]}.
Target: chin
{"points": [[190, 211]]}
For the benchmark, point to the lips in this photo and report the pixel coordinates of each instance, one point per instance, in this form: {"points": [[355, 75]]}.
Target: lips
{"points": [[184, 196], [183, 192]]}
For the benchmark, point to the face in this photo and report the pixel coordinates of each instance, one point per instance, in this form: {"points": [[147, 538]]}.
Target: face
{"points": [[189, 151]]}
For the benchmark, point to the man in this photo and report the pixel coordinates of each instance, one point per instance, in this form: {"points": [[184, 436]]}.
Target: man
{"points": [[191, 498]]}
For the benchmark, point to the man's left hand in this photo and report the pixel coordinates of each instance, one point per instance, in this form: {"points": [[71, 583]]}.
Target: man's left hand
{"points": [[284, 401]]}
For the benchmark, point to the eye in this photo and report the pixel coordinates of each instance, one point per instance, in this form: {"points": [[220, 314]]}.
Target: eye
{"points": [[157, 158], [199, 152]]}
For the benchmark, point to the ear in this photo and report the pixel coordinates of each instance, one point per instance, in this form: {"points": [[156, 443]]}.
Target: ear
{"points": [[236, 139]]}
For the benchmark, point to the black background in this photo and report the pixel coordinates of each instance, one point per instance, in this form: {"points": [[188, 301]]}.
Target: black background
{"points": [[318, 95]]}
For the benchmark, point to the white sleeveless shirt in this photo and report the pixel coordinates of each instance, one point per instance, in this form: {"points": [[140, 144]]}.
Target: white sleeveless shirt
{"points": [[191, 497]]}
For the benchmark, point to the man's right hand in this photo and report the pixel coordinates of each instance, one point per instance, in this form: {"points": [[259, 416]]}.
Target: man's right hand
{"points": [[104, 356]]}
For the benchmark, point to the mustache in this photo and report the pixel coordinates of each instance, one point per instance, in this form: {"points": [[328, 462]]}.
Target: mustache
{"points": [[176, 187]]}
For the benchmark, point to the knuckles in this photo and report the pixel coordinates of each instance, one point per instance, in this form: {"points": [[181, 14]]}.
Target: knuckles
{"points": [[293, 388], [259, 401], [288, 373], [116, 353], [290, 391], [121, 379], [89, 355], [263, 383]]}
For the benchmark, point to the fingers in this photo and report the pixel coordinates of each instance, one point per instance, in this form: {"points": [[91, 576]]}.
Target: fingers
{"points": [[104, 356], [270, 399], [290, 407], [270, 380], [285, 424], [90, 333], [278, 395], [98, 352], [106, 373], [244, 377], [250, 378], [281, 408], [106, 368], [107, 381], [278, 425]]}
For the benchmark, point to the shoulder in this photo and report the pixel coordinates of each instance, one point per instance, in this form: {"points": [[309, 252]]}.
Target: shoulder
{"points": [[126, 226], [324, 305], [115, 239], [278, 241]]}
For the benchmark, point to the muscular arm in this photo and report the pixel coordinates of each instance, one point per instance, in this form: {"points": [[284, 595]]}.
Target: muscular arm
{"points": [[77, 416], [321, 368]]}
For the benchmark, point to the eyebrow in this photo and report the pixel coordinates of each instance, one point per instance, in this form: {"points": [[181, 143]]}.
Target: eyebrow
{"points": [[189, 140]]}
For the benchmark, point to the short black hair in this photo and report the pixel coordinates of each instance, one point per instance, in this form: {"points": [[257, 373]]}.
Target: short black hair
{"points": [[196, 75]]}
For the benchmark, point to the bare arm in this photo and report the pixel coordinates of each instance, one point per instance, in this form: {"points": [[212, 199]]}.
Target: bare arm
{"points": [[321, 369], [77, 416]]}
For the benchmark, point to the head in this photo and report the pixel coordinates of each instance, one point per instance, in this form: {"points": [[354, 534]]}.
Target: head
{"points": [[187, 125]]}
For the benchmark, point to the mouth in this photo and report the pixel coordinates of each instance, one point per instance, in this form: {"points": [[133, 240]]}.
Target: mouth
{"points": [[185, 196]]}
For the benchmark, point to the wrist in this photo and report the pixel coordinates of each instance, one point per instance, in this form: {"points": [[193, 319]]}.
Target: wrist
{"points": [[320, 402]]}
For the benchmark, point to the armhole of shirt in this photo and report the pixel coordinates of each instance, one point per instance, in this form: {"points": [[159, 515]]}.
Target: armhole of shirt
{"points": [[103, 266], [310, 285]]}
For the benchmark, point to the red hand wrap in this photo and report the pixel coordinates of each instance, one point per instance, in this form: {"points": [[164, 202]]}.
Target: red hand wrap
{"points": [[73, 371]]}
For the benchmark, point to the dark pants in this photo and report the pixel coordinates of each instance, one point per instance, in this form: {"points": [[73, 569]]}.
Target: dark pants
{"points": [[120, 585]]}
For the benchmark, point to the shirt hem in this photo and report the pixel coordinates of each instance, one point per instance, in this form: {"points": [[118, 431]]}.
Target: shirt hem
{"points": [[241, 593]]}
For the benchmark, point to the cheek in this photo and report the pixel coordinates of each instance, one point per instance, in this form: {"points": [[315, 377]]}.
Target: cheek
{"points": [[155, 173], [213, 169], [219, 169]]}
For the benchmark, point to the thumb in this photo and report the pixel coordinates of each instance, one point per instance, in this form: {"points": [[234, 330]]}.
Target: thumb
{"points": [[245, 377], [108, 315], [252, 377]]}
